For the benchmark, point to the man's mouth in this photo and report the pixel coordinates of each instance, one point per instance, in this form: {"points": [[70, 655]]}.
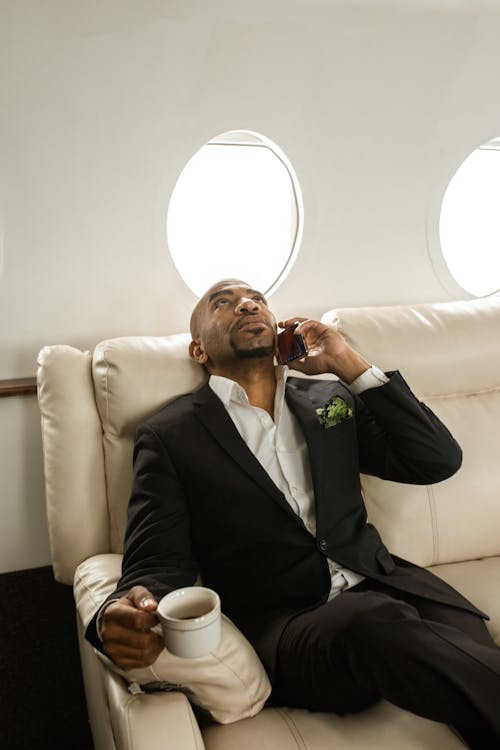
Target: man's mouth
{"points": [[253, 324]]}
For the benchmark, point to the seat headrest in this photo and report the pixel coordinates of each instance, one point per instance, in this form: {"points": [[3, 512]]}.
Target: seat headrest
{"points": [[444, 348], [134, 376]]}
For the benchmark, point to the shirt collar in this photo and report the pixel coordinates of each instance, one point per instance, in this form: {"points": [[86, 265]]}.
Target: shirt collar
{"points": [[229, 391]]}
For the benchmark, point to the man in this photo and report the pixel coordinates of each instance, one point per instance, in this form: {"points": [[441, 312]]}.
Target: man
{"points": [[245, 483]]}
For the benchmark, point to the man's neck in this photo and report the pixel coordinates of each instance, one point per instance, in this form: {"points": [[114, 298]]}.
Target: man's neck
{"points": [[257, 377]]}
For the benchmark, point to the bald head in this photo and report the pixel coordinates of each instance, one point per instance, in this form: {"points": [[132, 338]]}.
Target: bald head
{"points": [[198, 313]]}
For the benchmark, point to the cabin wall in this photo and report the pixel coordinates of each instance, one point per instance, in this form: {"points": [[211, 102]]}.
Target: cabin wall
{"points": [[375, 104]]}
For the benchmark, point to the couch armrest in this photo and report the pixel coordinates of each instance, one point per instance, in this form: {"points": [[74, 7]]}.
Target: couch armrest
{"points": [[73, 459], [151, 721], [229, 683], [122, 721], [94, 580]]}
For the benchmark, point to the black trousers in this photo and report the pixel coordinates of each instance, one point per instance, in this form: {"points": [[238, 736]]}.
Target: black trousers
{"points": [[373, 641]]}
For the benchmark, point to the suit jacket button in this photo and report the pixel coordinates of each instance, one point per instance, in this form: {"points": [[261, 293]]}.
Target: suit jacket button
{"points": [[323, 545]]}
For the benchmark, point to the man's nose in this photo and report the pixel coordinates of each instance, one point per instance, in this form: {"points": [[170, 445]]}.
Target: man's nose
{"points": [[247, 304]]}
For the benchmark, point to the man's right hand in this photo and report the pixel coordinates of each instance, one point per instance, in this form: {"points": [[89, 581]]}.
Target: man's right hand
{"points": [[126, 630]]}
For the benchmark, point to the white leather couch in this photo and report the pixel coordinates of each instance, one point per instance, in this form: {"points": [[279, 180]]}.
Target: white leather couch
{"points": [[90, 404]]}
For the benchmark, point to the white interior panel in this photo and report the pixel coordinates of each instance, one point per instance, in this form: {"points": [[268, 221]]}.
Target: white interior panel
{"points": [[376, 104]]}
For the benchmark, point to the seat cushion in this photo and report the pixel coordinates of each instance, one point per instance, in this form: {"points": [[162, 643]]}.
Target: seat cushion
{"points": [[230, 683], [381, 727]]}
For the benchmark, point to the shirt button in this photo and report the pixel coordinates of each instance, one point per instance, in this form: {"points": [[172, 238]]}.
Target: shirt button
{"points": [[323, 545]]}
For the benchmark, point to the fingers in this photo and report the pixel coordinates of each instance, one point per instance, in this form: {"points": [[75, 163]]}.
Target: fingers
{"points": [[142, 599], [290, 322], [132, 651], [123, 612], [126, 630], [307, 326]]}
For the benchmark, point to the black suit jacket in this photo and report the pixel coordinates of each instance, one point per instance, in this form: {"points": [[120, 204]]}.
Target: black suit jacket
{"points": [[202, 503]]}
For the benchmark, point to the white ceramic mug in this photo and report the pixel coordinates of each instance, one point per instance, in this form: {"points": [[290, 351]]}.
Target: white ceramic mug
{"points": [[190, 621]]}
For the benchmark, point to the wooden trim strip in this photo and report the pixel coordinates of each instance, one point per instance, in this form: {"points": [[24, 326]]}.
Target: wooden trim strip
{"points": [[17, 387]]}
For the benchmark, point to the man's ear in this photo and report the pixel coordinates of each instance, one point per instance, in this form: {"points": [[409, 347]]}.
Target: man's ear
{"points": [[197, 352]]}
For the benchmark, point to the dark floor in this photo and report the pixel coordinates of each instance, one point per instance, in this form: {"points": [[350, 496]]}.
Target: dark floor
{"points": [[42, 704]]}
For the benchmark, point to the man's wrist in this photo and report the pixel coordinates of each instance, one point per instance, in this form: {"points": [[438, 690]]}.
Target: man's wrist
{"points": [[350, 366]]}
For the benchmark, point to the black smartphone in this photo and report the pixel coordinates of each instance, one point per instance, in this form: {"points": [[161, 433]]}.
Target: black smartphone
{"points": [[290, 345]]}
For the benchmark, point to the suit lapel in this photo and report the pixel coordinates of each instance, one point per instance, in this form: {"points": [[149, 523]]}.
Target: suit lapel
{"points": [[214, 417], [328, 449], [301, 406]]}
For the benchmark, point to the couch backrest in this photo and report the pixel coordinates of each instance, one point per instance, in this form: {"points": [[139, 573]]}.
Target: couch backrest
{"points": [[449, 353], [90, 407], [133, 378]]}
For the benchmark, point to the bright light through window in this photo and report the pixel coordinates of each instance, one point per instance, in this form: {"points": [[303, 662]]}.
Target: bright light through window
{"points": [[470, 222], [236, 211]]}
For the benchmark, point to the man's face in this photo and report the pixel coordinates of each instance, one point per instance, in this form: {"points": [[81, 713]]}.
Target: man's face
{"points": [[233, 321]]}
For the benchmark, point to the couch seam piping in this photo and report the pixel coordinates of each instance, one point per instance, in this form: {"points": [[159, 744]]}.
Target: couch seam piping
{"points": [[293, 729], [193, 722], [434, 524], [79, 579], [127, 718], [105, 457], [246, 687], [457, 394]]}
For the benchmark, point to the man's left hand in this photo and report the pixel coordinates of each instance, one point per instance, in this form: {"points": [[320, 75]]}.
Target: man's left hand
{"points": [[327, 351]]}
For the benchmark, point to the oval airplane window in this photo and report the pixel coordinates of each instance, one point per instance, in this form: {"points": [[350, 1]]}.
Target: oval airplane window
{"points": [[235, 212], [469, 226]]}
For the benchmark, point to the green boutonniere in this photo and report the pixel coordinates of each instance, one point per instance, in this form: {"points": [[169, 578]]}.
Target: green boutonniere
{"points": [[336, 410]]}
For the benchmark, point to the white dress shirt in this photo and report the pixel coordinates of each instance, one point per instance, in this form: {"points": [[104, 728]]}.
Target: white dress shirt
{"points": [[281, 449]]}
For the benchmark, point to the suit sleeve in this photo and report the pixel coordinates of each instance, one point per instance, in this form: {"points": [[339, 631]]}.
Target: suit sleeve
{"points": [[401, 439], [157, 550]]}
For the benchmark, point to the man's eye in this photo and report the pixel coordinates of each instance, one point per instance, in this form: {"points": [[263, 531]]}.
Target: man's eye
{"points": [[260, 298], [220, 301]]}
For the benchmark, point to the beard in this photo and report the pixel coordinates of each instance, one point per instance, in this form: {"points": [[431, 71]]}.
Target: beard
{"points": [[258, 353]]}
